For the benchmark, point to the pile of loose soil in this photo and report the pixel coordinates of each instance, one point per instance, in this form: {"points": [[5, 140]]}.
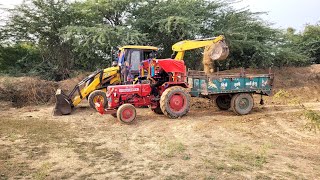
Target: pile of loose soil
{"points": [[23, 91]]}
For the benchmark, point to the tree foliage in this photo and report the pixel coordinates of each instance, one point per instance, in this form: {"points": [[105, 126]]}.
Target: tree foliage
{"points": [[62, 36]]}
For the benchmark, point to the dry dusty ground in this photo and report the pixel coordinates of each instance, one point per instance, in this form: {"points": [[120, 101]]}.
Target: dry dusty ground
{"points": [[270, 143]]}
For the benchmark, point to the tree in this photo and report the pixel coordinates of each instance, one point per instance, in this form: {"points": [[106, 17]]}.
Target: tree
{"points": [[81, 35], [311, 42], [104, 28], [39, 22]]}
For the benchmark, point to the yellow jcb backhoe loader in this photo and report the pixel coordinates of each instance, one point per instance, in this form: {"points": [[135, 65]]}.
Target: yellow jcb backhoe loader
{"points": [[94, 86]]}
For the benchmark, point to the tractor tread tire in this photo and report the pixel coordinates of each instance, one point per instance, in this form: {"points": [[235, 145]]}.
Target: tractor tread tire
{"points": [[97, 93], [235, 107], [121, 108], [164, 102]]}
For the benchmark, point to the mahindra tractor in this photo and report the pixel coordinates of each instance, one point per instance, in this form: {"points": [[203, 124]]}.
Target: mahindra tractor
{"points": [[162, 86]]}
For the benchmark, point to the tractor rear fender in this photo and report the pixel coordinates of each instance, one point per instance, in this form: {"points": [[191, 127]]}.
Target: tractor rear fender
{"points": [[170, 84]]}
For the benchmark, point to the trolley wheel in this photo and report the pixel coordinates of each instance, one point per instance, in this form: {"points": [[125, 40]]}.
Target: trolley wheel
{"points": [[242, 103], [223, 102], [175, 102], [96, 97], [126, 113]]}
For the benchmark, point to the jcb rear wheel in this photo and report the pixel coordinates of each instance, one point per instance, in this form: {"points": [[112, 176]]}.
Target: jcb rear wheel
{"points": [[175, 102], [97, 96], [126, 113]]}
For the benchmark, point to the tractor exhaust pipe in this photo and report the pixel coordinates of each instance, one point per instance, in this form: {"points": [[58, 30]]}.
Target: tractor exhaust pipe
{"points": [[63, 104]]}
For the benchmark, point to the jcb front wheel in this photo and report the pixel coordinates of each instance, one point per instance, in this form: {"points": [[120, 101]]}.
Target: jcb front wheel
{"points": [[175, 102], [97, 96]]}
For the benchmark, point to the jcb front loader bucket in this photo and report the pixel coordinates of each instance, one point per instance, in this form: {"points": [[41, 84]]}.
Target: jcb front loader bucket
{"points": [[63, 104]]}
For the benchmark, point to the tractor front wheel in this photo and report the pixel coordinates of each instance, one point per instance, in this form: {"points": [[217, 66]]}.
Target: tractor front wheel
{"points": [[242, 103], [175, 102], [97, 96], [126, 113]]}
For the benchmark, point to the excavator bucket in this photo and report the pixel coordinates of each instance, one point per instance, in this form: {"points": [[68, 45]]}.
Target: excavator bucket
{"points": [[214, 52], [63, 104], [219, 51]]}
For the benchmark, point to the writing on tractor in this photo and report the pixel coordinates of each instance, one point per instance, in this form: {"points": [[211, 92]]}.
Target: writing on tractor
{"points": [[164, 89], [95, 85]]}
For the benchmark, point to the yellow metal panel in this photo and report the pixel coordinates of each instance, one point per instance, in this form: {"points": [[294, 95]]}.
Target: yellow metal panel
{"points": [[139, 47], [108, 72], [182, 46]]}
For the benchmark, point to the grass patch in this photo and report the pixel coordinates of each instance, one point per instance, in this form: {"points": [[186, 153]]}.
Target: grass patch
{"points": [[35, 130], [220, 166], [172, 148], [42, 172], [314, 120], [285, 97], [254, 158], [89, 150]]}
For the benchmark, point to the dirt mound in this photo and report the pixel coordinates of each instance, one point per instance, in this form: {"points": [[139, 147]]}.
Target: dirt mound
{"points": [[24, 91], [68, 84], [201, 103]]}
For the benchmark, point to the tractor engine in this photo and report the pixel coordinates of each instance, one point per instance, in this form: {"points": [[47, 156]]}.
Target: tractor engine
{"points": [[137, 95]]}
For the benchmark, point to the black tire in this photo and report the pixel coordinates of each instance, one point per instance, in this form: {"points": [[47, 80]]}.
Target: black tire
{"points": [[114, 115], [173, 109], [223, 102], [157, 110], [242, 103], [126, 113], [97, 95]]}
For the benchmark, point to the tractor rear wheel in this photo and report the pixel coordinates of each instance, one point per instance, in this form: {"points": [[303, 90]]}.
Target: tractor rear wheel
{"points": [[97, 96], [126, 113], [175, 102], [242, 103], [223, 102]]}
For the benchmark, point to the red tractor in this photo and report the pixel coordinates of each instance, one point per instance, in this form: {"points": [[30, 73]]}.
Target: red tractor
{"points": [[163, 89]]}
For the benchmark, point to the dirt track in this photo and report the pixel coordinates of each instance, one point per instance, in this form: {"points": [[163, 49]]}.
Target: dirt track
{"points": [[207, 144]]}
